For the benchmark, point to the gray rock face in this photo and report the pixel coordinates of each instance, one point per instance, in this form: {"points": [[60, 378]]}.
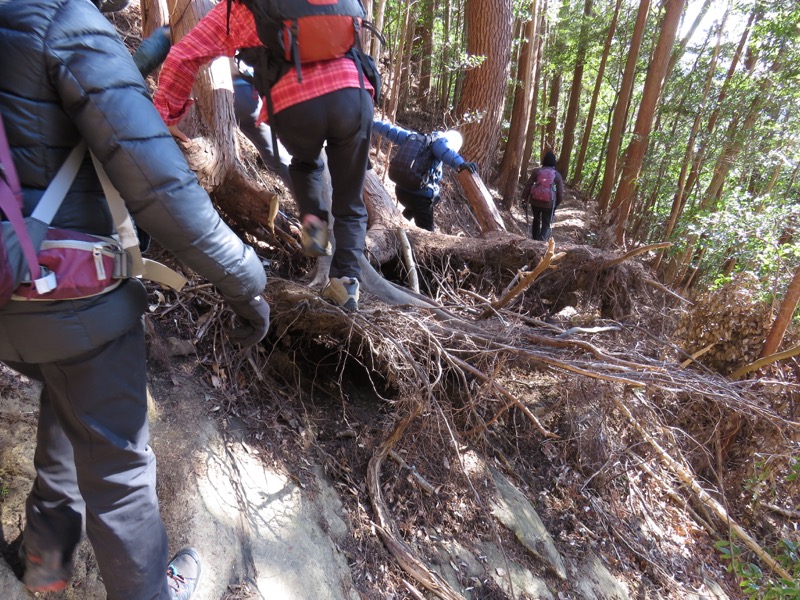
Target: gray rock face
{"points": [[516, 512]]}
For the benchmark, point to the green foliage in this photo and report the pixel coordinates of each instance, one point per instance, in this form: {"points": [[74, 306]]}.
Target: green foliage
{"points": [[753, 231], [758, 584]]}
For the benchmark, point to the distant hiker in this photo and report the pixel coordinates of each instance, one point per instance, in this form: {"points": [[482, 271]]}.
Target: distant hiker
{"points": [[543, 192], [416, 168], [330, 106], [94, 467]]}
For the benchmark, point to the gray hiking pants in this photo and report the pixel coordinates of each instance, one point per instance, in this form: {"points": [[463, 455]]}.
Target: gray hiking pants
{"points": [[92, 455], [342, 122]]}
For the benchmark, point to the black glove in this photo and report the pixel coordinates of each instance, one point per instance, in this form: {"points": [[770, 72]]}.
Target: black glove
{"points": [[470, 166], [255, 314]]}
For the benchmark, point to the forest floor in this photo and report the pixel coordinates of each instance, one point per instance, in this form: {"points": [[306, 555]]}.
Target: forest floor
{"points": [[512, 456], [268, 470]]}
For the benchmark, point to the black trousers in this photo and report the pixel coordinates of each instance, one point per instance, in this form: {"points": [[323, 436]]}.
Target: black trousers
{"points": [[417, 207], [247, 107], [341, 121], [542, 220]]}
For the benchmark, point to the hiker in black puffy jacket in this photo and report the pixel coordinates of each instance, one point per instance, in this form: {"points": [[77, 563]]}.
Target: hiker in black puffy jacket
{"points": [[65, 75], [543, 216]]}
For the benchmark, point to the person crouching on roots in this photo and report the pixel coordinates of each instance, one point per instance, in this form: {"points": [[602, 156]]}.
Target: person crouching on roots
{"points": [[416, 168]]}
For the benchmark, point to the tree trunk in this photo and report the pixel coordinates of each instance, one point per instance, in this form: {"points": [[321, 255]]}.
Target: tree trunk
{"points": [[699, 156], [654, 83], [489, 25], [552, 114], [587, 130], [784, 317], [155, 14], [426, 58], [403, 47], [571, 120], [677, 201], [621, 109], [530, 137], [508, 181], [447, 51], [380, 11], [681, 47], [212, 125]]}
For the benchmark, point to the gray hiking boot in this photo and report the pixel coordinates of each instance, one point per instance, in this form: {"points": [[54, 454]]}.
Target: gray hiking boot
{"points": [[315, 237], [343, 291], [183, 573]]}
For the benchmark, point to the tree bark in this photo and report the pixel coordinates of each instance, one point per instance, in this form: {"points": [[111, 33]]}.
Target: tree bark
{"points": [[489, 24], [571, 120], [530, 137], [426, 57], [212, 125], [784, 317]]}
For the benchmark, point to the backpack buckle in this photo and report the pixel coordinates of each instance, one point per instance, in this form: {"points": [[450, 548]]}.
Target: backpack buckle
{"points": [[46, 283]]}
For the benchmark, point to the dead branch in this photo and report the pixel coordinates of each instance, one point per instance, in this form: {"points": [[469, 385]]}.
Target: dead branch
{"points": [[701, 495], [791, 514], [767, 360], [396, 546], [696, 355], [635, 252], [526, 411], [573, 330], [528, 278], [666, 290], [426, 487]]}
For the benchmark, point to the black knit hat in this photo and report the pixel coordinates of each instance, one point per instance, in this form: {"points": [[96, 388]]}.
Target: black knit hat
{"points": [[549, 159]]}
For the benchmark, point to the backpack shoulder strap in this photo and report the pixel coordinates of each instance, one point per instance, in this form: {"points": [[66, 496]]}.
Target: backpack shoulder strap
{"points": [[140, 267]]}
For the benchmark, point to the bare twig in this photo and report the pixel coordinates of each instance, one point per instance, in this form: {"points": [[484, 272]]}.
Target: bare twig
{"points": [[697, 355], [666, 290], [426, 487]]}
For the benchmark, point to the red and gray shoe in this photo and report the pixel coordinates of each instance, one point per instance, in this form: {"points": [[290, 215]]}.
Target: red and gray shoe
{"points": [[183, 574], [45, 571]]}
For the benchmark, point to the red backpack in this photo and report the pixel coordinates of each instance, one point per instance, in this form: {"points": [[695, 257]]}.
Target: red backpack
{"points": [[543, 191]]}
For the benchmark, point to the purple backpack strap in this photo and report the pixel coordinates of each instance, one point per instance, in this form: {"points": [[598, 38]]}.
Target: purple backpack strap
{"points": [[11, 202]]}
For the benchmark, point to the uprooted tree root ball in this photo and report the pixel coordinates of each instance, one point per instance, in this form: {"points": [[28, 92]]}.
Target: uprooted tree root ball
{"points": [[409, 409]]}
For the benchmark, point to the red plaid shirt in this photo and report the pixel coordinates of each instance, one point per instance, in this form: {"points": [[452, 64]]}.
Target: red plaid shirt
{"points": [[209, 40]]}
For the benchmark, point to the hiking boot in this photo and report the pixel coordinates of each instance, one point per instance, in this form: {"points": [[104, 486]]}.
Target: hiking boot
{"points": [[183, 573], [315, 237], [45, 571], [342, 291]]}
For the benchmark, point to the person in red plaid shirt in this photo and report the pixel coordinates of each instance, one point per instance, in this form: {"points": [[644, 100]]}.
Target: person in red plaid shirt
{"points": [[330, 107]]}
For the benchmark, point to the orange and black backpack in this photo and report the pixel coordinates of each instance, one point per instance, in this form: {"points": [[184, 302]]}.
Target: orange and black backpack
{"points": [[297, 32]]}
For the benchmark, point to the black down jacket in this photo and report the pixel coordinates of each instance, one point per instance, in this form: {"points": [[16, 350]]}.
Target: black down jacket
{"points": [[65, 75]]}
